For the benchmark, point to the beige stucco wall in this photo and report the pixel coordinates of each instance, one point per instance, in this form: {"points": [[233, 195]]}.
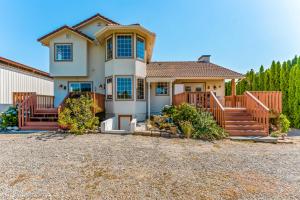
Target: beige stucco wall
{"points": [[76, 67], [209, 84], [93, 27]]}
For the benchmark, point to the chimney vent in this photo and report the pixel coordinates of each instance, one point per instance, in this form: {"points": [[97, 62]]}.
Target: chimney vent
{"points": [[204, 58]]}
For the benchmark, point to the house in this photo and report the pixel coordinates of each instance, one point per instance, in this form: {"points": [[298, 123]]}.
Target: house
{"points": [[16, 77], [103, 57]]}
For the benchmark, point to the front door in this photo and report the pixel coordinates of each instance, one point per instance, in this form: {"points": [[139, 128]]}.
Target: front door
{"points": [[124, 122]]}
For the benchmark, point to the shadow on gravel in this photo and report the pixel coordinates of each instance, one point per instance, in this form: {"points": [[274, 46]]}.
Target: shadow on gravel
{"points": [[294, 132], [50, 136]]}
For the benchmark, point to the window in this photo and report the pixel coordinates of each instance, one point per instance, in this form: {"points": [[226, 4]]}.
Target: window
{"points": [[80, 86], [140, 89], [124, 88], [162, 88], [198, 89], [109, 48], [188, 88], [109, 88], [124, 46], [140, 48], [63, 52]]}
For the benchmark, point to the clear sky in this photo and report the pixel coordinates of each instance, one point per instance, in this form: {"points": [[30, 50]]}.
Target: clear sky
{"points": [[239, 34]]}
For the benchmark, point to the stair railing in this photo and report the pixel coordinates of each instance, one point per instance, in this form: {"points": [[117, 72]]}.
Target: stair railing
{"points": [[217, 110], [258, 111], [26, 109]]}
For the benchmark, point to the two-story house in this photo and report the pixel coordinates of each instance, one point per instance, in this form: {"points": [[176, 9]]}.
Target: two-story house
{"points": [[103, 56]]}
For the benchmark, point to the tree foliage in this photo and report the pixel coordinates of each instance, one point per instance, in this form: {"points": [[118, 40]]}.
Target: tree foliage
{"points": [[283, 77]]}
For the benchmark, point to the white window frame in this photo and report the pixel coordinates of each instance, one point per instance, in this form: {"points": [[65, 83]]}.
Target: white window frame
{"points": [[144, 88], [132, 46], [80, 82], [116, 88], [106, 50], [167, 86], [136, 48], [55, 52]]}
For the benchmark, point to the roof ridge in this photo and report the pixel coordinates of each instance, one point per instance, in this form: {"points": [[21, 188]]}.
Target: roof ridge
{"points": [[92, 17]]}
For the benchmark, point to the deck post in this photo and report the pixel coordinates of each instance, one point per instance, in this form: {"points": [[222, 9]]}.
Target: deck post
{"points": [[233, 93]]}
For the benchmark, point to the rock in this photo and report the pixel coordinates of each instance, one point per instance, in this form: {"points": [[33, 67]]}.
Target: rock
{"points": [[15, 128]]}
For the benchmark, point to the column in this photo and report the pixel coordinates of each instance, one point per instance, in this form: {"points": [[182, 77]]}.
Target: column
{"points": [[233, 93], [149, 97], [171, 92]]}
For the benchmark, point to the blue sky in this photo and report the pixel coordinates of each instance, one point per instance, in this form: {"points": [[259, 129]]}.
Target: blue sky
{"points": [[238, 34]]}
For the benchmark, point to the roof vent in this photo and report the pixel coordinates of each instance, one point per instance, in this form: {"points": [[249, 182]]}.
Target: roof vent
{"points": [[204, 58]]}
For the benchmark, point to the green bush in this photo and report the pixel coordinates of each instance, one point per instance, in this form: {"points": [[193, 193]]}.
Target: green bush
{"points": [[77, 115], [284, 123], [203, 123], [9, 118], [187, 128], [169, 110]]}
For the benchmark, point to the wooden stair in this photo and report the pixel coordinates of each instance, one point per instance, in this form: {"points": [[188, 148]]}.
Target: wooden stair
{"points": [[238, 122], [42, 119]]}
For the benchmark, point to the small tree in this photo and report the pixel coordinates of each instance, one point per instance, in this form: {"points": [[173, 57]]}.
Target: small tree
{"points": [[77, 115]]}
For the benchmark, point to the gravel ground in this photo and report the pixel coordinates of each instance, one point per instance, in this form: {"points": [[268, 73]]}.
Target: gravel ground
{"points": [[52, 166]]}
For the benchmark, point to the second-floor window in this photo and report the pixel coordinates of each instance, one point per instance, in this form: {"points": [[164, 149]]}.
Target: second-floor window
{"points": [[124, 46], [109, 48], [63, 52], [140, 48]]}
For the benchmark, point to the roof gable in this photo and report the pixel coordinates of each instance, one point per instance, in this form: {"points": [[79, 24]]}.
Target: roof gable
{"points": [[91, 19], [45, 39]]}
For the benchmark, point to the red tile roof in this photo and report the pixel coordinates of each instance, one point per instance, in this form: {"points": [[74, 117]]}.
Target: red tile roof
{"points": [[23, 67], [93, 17], [189, 69], [65, 27]]}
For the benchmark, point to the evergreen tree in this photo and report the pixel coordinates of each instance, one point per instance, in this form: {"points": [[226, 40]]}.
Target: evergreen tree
{"points": [[291, 92], [251, 77], [273, 76], [255, 82], [295, 60], [267, 80], [297, 98], [261, 81], [277, 76], [284, 87]]}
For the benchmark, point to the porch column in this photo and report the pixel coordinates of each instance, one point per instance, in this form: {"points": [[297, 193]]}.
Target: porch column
{"points": [[171, 92], [149, 97], [233, 93]]}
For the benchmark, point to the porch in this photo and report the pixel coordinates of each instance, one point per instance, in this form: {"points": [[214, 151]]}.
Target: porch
{"points": [[37, 112]]}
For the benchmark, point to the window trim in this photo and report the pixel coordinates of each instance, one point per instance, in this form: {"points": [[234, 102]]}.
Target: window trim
{"points": [[144, 81], [140, 37], [112, 82], [116, 87], [54, 56], [91, 82], [112, 41], [168, 89], [116, 45]]}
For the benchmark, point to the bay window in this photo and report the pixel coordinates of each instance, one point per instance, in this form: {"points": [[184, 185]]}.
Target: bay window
{"points": [[140, 89], [109, 88], [140, 48], [109, 48], [124, 46], [124, 88]]}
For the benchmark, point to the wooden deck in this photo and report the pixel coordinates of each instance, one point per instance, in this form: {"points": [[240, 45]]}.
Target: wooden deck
{"points": [[240, 115], [37, 112]]}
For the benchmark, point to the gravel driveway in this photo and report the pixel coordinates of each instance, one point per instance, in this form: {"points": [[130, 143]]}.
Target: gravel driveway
{"points": [[51, 166]]}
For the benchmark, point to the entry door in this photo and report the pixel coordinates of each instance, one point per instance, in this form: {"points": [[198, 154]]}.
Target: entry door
{"points": [[124, 122]]}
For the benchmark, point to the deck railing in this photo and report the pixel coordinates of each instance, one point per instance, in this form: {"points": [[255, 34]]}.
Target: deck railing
{"points": [[271, 99], [258, 111], [217, 110], [237, 101], [26, 109], [199, 99]]}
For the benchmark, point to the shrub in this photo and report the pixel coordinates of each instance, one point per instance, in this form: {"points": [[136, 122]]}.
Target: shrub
{"points": [[187, 128], [9, 118], [169, 110], [77, 115], [284, 123], [203, 123]]}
